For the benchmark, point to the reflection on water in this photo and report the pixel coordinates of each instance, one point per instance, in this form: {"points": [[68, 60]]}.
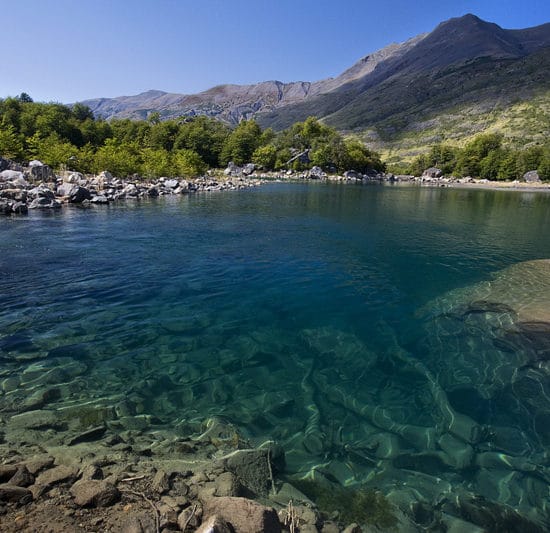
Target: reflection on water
{"points": [[395, 338]]}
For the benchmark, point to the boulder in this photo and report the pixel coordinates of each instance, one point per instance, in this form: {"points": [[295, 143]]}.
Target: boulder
{"points": [[432, 172], [251, 468], [232, 169], [44, 203], [79, 194], [171, 184], [531, 177], [161, 482], [22, 478], [99, 199], [14, 494], [249, 168], [352, 175], [316, 173], [41, 192], [243, 515], [4, 164], [56, 475], [40, 172], [94, 493], [11, 175], [152, 192]]}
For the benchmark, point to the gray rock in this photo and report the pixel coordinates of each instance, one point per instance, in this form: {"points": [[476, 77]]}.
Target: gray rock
{"points": [[22, 478], [531, 177], [14, 494], [44, 203], [316, 173], [56, 475], [248, 169], [227, 484], [40, 172], [35, 163], [4, 164], [233, 169], [38, 463], [41, 192], [94, 493], [171, 184], [161, 482], [432, 172], [243, 514], [79, 194], [351, 174], [99, 199], [190, 518], [11, 175], [153, 192], [38, 419]]}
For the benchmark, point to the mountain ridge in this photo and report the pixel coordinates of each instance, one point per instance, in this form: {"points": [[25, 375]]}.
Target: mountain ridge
{"points": [[384, 93]]}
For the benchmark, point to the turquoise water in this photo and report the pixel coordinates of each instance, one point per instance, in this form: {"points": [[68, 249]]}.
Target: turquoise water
{"points": [[310, 314]]}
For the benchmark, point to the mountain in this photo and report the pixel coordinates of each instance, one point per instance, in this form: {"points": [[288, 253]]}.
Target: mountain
{"points": [[465, 76]]}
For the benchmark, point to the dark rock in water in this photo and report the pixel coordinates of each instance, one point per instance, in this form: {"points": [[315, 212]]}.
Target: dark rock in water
{"points": [[56, 475], [161, 482], [41, 192], [14, 494], [7, 472], [88, 436], [484, 306], [79, 194], [491, 516], [94, 493], [251, 468], [19, 342], [22, 478], [532, 338], [531, 177], [153, 192]]}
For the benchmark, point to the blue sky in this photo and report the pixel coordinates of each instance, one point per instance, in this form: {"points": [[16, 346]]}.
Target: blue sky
{"points": [[70, 50]]}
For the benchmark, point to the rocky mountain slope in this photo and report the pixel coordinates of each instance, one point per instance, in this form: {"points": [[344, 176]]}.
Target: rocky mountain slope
{"points": [[465, 67]]}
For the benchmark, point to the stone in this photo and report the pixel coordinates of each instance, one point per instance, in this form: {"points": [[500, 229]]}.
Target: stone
{"points": [[76, 193], [56, 475], [214, 524], [531, 177], [248, 169], [168, 516], [227, 484], [22, 477], [190, 518], [161, 482], [142, 523], [20, 208], [99, 199], [353, 528], [316, 173], [153, 192], [171, 184], [14, 494], [232, 170], [94, 493], [7, 472], [44, 203], [92, 434], [11, 175], [432, 172], [352, 175], [38, 419], [38, 463], [19, 182], [40, 172], [243, 514], [251, 469]]}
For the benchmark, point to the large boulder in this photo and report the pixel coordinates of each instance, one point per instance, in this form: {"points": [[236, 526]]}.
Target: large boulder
{"points": [[75, 193], [11, 175], [531, 177], [40, 172], [232, 169], [432, 172], [316, 173], [41, 192], [249, 168], [44, 203]]}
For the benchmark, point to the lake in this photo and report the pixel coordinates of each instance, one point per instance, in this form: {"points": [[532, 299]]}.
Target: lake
{"points": [[367, 329]]}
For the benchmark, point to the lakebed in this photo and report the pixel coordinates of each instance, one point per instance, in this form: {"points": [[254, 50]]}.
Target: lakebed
{"points": [[352, 330]]}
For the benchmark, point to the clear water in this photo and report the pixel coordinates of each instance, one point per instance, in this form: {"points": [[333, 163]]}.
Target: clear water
{"points": [[305, 313]]}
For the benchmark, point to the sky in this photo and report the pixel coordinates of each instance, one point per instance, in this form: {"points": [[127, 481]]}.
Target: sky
{"points": [[72, 50]]}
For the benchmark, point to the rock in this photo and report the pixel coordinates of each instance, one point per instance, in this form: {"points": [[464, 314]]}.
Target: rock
{"points": [[432, 172], [142, 523], [161, 482], [4, 164], [352, 175], [316, 173], [75, 178], [38, 419], [22, 478], [11, 175], [76, 193], [7, 472], [190, 518], [40, 172], [91, 472], [19, 208], [248, 169], [243, 514], [39, 463], [251, 468], [531, 177], [56, 475], [168, 516], [171, 184], [227, 484], [44, 203], [153, 192], [14, 494], [215, 524], [94, 493], [99, 199], [353, 528], [89, 435], [330, 527], [41, 192], [19, 182], [232, 169]]}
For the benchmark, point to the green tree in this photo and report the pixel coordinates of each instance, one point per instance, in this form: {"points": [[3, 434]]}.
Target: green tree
{"points": [[187, 163], [241, 143], [51, 150], [11, 145], [155, 162], [265, 157]]}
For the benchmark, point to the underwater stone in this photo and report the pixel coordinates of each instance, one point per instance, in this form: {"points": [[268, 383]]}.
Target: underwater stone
{"points": [[12, 493], [38, 419], [214, 524], [22, 478], [94, 493], [252, 468]]}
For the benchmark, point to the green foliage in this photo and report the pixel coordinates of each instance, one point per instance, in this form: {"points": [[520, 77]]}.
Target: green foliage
{"points": [[265, 157], [188, 163], [241, 143], [362, 506], [52, 150], [11, 145]]}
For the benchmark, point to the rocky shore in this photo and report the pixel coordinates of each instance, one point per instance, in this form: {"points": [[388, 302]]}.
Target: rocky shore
{"points": [[36, 186]]}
